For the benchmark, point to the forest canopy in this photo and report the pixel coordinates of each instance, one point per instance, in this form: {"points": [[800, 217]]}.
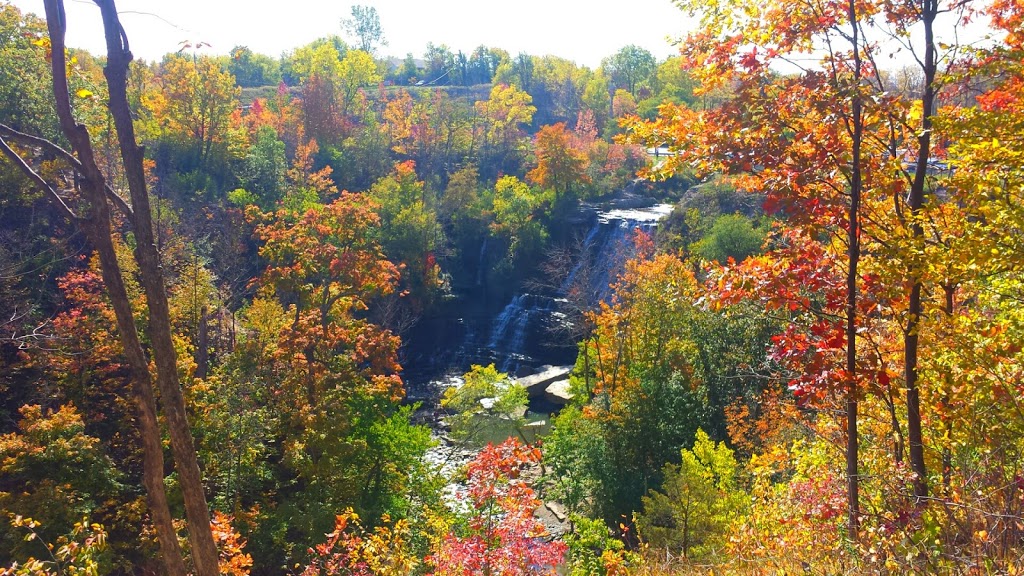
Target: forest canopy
{"points": [[221, 278]]}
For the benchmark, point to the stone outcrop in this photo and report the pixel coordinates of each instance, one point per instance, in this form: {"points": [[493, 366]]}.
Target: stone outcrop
{"points": [[537, 384]]}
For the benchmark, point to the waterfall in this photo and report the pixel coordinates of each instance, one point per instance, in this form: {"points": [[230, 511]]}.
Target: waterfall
{"points": [[532, 328], [481, 265], [519, 333], [606, 248], [516, 330]]}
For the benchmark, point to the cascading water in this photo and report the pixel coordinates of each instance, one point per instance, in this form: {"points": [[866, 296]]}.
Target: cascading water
{"points": [[607, 246], [481, 263], [520, 335], [531, 329], [525, 316]]}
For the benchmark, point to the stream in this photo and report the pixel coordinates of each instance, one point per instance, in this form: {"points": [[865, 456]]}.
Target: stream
{"points": [[528, 337]]}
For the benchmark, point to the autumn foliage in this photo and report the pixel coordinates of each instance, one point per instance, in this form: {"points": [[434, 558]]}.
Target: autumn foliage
{"points": [[502, 537], [813, 365]]}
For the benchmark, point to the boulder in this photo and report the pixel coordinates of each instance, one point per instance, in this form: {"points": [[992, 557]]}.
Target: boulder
{"points": [[558, 510], [536, 384], [558, 392]]}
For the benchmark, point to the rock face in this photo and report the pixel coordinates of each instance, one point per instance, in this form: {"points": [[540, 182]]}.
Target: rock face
{"points": [[558, 392], [537, 384]]}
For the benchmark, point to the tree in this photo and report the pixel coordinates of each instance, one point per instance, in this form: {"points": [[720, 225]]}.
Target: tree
{"points": [[484, 395], [639, 369], [440, 65], [318, 58], [263, 169], [731, 236], [514, 207], [502, 537], [630, 68], [24, 78], [364, 27], [672, 83], [409, 69], [252, 70], [561, 166], [353, 550], [697, 503], [579, 463], [52, 472], [79, 552], [98, 230], [197, 98], [829, 200], [503, 116], [410, 233], [433, 130], [483, 63], [341, 428]]}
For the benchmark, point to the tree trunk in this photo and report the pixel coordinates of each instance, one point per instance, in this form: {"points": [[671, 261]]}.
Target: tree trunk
{"points": [[98, 229], [203, 346], [204, 550], [947, 454], [911, 341], [853, 257]]}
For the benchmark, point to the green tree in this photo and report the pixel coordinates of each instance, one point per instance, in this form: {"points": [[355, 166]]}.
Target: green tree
{"points": [[24, 76], [364, 26], [440, 67], [630, 68], [262, 173], [409, 69], [731, 236], [515, 209], [483, 63], [485, 398], [410, 232], [251, 69], [579, 462], [698, 501]]}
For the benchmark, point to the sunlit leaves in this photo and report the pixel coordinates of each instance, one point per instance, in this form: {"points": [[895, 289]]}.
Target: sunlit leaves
{"points": [[484, 394], [697, 503], [560, 165], [195, 101], [502, 537]]}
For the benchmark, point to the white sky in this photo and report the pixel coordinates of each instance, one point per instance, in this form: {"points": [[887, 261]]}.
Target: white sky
{"points": [[584, 31]]}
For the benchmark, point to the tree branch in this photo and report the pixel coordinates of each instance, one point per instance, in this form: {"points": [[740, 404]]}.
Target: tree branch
{"points": [[119, 202], [39, 181]]}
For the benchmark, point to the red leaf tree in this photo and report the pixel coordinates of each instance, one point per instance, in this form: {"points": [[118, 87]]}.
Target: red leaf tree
{"points": [[503, 537]]}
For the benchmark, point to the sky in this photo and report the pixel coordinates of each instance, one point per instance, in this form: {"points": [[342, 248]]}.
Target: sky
{"points": [[584, 31]]}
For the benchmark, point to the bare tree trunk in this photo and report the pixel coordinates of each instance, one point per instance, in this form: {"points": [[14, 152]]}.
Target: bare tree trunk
{"points": [[98, 229], [203, 346], [853, 258], [949, 291], [204, 550], [911, 341]]}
